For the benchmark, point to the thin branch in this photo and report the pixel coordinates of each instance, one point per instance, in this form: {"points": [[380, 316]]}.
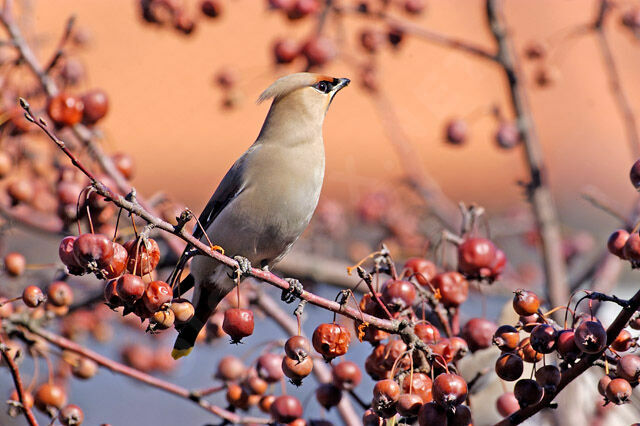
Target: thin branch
{"points": [[15, 373], [620, 97], [585, 363], [119, 368], [538, 188]]}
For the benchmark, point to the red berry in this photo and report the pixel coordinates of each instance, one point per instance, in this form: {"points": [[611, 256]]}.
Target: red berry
{"points": [[386, 390], [65, 109], [59, 294], [525, 302], [130, 288], [623, 342], [590, 337], [331, 340], [566, 345], [548, 376], [527, 353], [506, 338], [634, 175], [230, 369], [617, 241], [71, 415], [422, 269], [162, 320], [543, 338], [297, 370], [118, 263], [328, 395], [427, 332], [414, 7], [183, 310], [211, 8], [111, 296], [94, 253], [628, 368], [509, 367], [297, 347], [619, 391], [478, 332], [285, 51], [507, 404], [508, 135], [96, 105], [286, 409], [476, 255], [432, 414], [603, 383], [346, 375], [32, 296], [49, 395], [238, 323], [420, 385], [15, 264], [453, 287], [157, 294], [398, 294], [409, 405], [449, 390], [125, 164], [269, 367], [527, 392], [21, 190], [456, 131], [319, 51]]}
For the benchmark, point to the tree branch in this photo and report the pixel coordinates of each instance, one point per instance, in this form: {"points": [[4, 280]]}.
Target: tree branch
{"points": [[15, 373]]}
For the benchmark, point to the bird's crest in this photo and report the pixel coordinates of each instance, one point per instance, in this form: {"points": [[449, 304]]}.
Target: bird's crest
{"points": [[287, 84]]}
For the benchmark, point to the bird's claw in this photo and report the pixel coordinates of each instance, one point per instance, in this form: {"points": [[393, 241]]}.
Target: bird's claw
{"points": [[243, 269], [294, 291]]}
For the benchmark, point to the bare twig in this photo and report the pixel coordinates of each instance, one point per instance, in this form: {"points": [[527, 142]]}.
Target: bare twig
{"points": [[116, 367], [15, 373], [538, 188]]}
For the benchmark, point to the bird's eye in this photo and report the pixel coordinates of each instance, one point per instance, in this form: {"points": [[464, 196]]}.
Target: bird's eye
{"points": [[323, 86]]}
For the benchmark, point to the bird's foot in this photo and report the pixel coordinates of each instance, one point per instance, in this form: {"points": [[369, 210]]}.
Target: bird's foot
{"points": [[243, 269], [294, 291]]}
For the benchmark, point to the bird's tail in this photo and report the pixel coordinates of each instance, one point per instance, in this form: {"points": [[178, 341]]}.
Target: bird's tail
{"points": [[205, 303]]}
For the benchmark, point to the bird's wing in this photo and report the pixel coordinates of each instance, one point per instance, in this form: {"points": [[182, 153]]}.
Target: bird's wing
{"points": [[233, 183]]}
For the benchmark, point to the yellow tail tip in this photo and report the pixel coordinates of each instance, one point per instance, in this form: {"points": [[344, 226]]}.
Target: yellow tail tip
{"points": [[179, 353]]}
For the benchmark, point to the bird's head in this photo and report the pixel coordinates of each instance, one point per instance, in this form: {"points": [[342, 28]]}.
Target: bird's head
{"points": [[304, 91]]}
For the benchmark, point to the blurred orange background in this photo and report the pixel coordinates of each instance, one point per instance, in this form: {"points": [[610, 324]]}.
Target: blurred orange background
{"points": [[166, 109]]}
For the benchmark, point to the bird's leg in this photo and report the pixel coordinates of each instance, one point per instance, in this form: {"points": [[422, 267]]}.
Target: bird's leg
{"points": [[293, 292], [243, 269]]}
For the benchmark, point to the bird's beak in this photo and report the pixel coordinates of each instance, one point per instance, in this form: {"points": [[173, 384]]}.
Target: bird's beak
{"points": [[342, 82]]}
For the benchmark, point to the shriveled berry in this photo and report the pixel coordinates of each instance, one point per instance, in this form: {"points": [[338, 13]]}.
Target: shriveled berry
{"points": [[478, 332], [419, 384], [346, 375], [328, 395], [374, 364], [449, 390], [59, 294], [590, 337], [619, 391], [238, 323], [506, 338], [453, 287], [617, 241], [32, 296], [509, 367], [157, 294], [286, 408], [528, 392], [143, 257], [525, 302], [331, 340]]}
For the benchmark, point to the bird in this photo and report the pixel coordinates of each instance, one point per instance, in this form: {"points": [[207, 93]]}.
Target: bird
{"points": [[267, 198]]}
